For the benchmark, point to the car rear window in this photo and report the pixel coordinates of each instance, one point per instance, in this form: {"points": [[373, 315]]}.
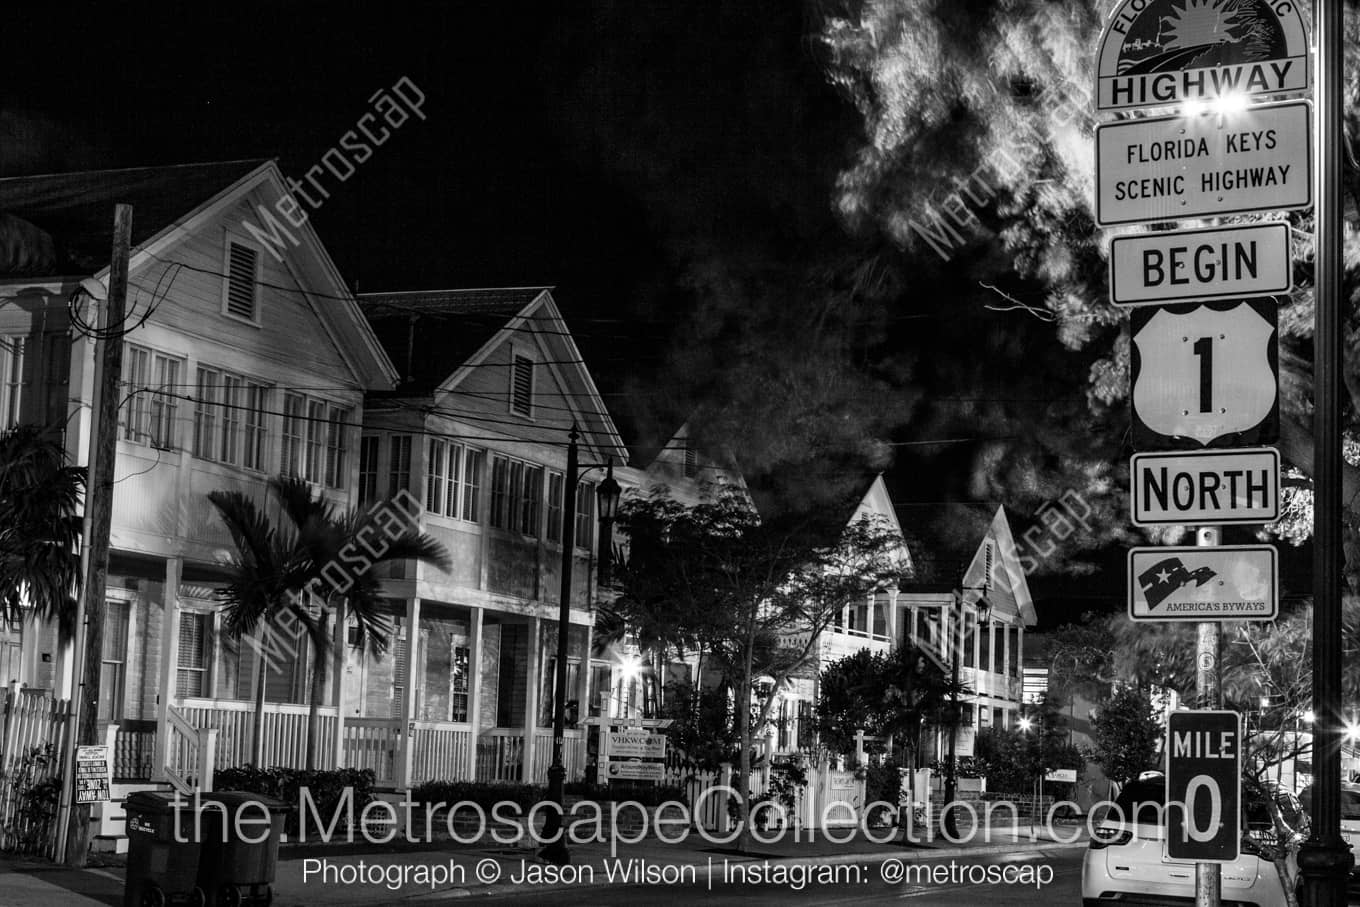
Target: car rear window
{"points": [[1142, 801], [1350, 805]]}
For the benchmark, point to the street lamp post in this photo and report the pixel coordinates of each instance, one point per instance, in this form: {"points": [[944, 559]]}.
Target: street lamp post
{"points": [[555, 850]]}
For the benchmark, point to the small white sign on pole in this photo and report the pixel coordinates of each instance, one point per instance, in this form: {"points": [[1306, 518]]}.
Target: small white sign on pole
{"points": [[94, 773], [1205, 488], [1218, 263]]}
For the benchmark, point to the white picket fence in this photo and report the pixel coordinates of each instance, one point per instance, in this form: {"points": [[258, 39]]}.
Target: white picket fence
{"points": [[34, 736]]}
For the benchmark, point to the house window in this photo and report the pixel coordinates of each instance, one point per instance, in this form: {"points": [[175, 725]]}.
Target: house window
{"points": [[436, 479], [522, 386], [112, 669], [224, 403], [57, 367], [516, 492], [555, 484], [293, 405], [256, 438], [191, 678], [471, 488], [242, 268], [585, 515], [969, 639], [368, 469], [150, 388], [459, 682], [316, 440], [337, 458], [12, 372]]}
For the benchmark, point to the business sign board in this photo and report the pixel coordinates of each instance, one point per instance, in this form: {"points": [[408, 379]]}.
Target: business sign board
{"points": [[1203, 786], [1169, 168], [640, 744], [1165, 52], [636, 771], [94, 773], [1231, 582], [1205, 488], [1065, 775], [1205, 375], [1218, 263]]}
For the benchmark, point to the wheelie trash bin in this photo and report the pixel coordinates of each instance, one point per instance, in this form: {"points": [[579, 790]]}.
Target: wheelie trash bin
{"points": [[163, 851], [241, 833]]}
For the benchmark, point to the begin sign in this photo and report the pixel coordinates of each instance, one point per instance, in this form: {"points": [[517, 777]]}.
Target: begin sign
{"points": [[1218, 263]]}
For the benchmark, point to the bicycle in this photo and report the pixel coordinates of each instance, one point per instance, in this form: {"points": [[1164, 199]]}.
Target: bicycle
{"points": [[30, 806]]}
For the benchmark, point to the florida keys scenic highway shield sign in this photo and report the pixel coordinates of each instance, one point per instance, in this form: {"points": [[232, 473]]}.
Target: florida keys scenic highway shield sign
{"points": [[1165, 52]]}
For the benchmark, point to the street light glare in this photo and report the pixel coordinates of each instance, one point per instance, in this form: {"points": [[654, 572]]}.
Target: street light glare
{"points": [[1309, 717], [1025, 724]]}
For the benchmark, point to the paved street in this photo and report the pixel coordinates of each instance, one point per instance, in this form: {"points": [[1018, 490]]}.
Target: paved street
{"points": [[859, 883]]}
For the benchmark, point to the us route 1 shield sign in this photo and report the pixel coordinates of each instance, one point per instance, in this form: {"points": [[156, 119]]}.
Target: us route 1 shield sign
{"points": [[1170, 168], [1203, 786], [1205, 375], [1163, 52], [1205, 488], [1231, 582], [1218, 263]]}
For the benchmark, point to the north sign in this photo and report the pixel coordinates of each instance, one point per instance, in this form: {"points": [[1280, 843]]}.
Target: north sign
{"points": [[1169, 168], [1231, 582], [1205, 375], [1203, 786], [1208, 488], [1165, 52], [1218, 263]]}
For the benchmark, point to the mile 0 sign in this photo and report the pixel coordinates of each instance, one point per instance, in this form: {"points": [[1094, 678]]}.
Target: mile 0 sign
{"points": [[1162, 53], [1205, 375]]}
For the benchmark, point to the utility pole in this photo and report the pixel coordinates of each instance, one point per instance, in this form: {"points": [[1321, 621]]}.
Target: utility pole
{"points": [[1209, 692], [1325, 859], [99, 504]]}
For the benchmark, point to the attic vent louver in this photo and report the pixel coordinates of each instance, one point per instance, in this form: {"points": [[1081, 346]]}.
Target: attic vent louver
{"points": [[522, 386], [241, 262]]}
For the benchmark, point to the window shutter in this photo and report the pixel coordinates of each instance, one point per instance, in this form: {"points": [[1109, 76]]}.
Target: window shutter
{"points": [[241, 262], [399, 653], [691, 461], [522, 389]]}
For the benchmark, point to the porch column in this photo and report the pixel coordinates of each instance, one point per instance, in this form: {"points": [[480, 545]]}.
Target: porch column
{"points": [[474, 691], [406, 749], [892, 619], [338, 658], [169, 661], [531, 700]]}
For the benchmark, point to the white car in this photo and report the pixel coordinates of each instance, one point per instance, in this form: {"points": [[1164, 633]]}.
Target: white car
{"points": [[1124, 862]]}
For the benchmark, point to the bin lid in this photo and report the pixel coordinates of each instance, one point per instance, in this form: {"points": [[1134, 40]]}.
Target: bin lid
{"points": [[234, 800], [157, 801]]}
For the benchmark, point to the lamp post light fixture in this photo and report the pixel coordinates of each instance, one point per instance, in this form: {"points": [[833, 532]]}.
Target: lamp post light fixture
{"points": [[554, 830]]}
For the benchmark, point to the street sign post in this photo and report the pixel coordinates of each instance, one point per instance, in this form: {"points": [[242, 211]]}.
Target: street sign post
{"points": [[1167, 168], [1231, 582], [1208, 488], [1205, 375], [1164, 52], [1218, 263], [1203, 786]]}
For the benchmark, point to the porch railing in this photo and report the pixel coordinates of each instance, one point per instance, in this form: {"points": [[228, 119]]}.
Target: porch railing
{"points": [[190, 754], [500, 755], [284, 732], [373, 743], [573, 755], [440, 751]]}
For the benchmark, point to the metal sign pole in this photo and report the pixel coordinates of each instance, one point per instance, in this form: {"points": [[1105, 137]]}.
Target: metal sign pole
{"points": [[1325, 859], [1209, 690]]}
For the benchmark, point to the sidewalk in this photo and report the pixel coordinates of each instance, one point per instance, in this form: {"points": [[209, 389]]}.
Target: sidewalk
{"points": [[364, 873]]}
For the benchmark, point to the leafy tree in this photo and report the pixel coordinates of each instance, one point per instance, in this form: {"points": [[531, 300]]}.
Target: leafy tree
{"points": [[886, 695], [309, 570], [754, 593], [1127, 733], [40, 527]]}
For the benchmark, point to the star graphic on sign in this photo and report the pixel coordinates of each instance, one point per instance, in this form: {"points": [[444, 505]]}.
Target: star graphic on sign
{"points": [[1163, 576]]}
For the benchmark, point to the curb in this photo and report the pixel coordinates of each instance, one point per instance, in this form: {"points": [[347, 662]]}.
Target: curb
{"points": [[706, 868]]}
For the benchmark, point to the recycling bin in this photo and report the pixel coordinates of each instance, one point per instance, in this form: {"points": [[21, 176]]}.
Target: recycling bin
{"points": [[163, 851], [241, 833]]}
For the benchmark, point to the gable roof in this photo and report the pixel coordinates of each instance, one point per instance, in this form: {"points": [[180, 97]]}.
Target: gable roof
{"points": [[413, 327], [439, 337], [76, 209]]}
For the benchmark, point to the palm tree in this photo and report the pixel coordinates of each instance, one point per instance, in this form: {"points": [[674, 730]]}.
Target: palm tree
{"points": [[315, 567], [40, 527]]}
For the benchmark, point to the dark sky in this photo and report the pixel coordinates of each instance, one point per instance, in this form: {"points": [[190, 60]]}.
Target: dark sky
{"points": [[591, 145]]}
